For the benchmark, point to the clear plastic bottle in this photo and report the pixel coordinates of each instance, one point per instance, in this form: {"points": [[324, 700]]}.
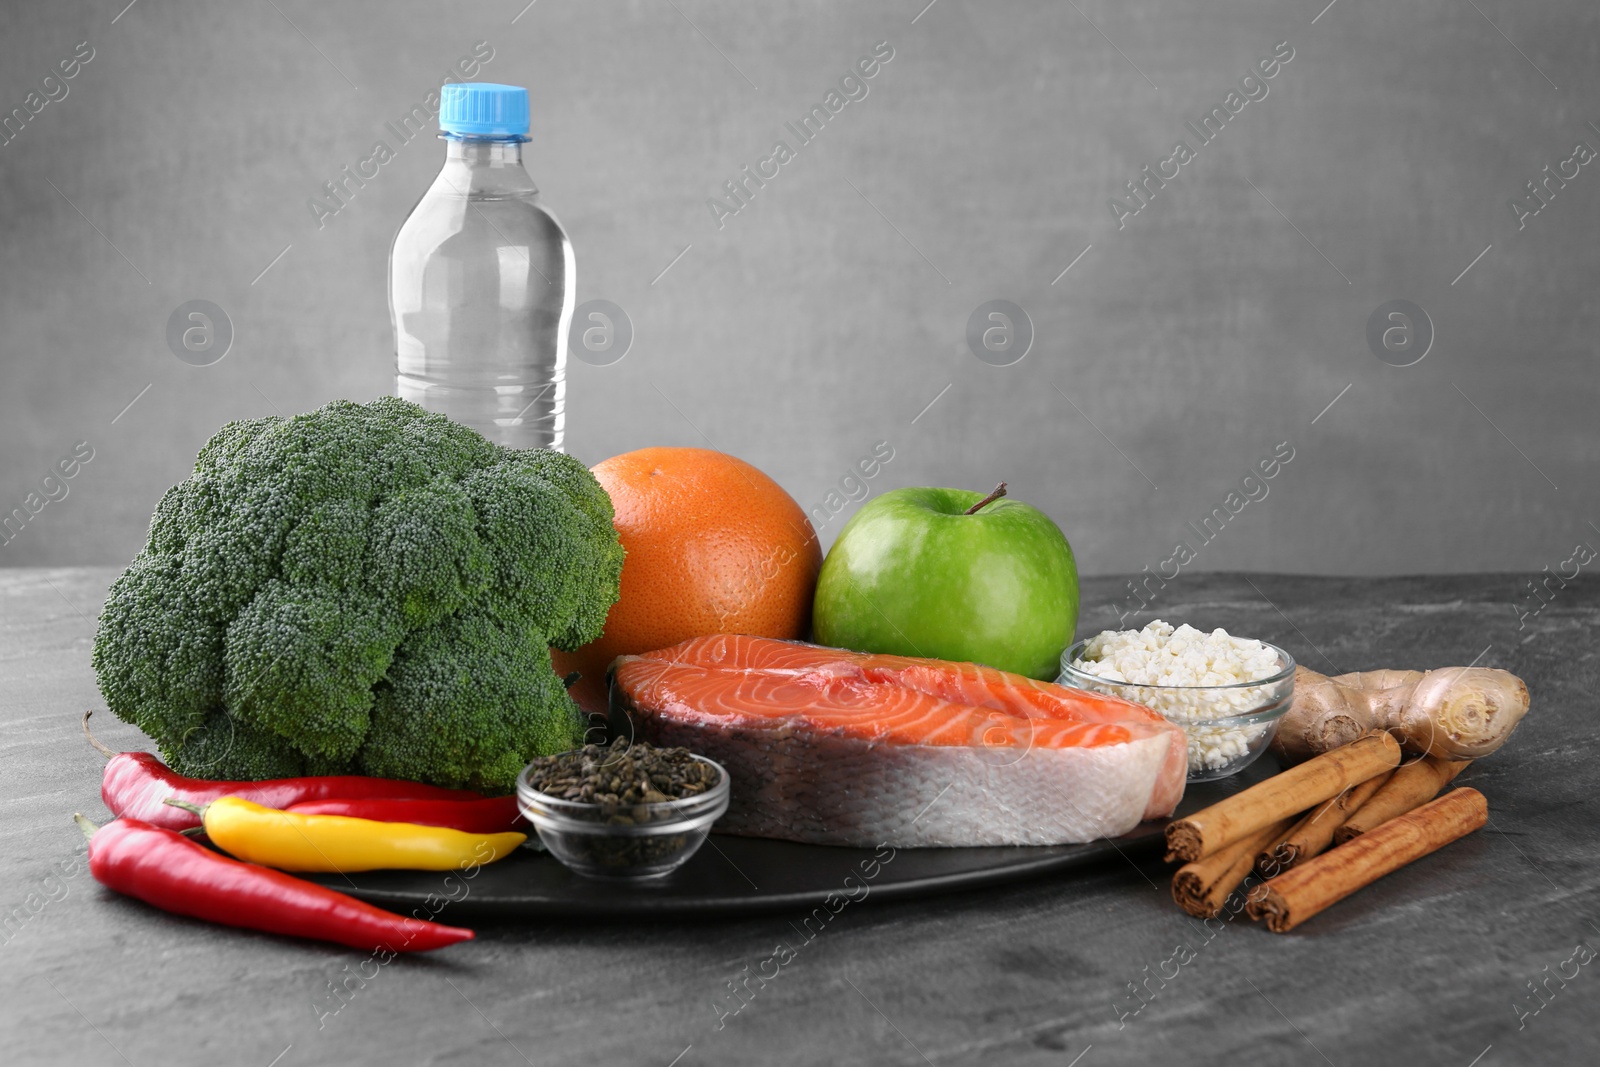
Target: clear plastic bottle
{"points": [[481, 280]]}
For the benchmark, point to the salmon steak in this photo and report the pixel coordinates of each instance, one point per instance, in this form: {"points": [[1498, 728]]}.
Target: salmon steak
{"points": [[833, 747]]}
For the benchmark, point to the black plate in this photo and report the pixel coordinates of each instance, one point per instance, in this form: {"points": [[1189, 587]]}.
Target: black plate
{"points": [[745, 874]]}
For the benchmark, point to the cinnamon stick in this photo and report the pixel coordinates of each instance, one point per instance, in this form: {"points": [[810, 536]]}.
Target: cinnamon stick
{"points": [[1291, 899], [1412, 785], [1279, 797], [1314, 833], [1202, 887]]}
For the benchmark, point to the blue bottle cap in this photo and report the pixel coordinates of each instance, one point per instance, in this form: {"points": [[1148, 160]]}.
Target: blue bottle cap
{"points": [[483, 109]]}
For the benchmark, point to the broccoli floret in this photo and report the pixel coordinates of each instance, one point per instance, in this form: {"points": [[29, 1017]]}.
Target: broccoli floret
{"points": [[328, 545], [224, 747], [427, 558], [468, 703], [364, 587], [587, 593], [573, 597], [156, 650], [301, 661]]}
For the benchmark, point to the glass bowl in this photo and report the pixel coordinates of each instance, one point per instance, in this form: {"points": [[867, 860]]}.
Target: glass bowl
{"points": [[1228, 726], [623, 841]]}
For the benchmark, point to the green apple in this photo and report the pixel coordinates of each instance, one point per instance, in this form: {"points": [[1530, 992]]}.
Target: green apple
{"points": [[913, 574]]}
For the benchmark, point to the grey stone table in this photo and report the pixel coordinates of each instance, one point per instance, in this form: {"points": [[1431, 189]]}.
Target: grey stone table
{"points": [[1430, 967]]}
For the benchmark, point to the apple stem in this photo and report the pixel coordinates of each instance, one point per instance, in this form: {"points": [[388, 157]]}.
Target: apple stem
{"points": [[999, 491]]}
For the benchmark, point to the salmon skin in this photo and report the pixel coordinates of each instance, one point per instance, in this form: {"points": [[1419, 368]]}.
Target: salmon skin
{"points": [[834, 747]]}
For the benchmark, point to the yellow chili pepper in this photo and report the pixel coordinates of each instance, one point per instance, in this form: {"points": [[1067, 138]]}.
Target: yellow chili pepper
{"points": [[341, 844]]}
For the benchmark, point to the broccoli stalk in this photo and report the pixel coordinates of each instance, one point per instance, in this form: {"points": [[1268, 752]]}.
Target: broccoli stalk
{"points": [[368, 588]]}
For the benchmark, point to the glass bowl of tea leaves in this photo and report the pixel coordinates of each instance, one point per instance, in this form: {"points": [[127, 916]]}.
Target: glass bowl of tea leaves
{"points": [[623, 812]]}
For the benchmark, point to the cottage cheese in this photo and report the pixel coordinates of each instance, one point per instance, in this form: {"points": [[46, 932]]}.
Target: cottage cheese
{"points": [[1160, 655]]}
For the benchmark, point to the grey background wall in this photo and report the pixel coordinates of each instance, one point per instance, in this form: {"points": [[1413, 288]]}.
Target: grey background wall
{"points": [[1181, 347]]}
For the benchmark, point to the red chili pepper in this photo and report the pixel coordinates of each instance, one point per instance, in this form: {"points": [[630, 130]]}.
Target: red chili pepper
{"points": [[491, 815], [137, 784], [171, 872]]}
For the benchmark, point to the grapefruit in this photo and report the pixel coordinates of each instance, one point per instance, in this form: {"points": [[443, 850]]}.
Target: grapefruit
{"points": [[713, 546]]}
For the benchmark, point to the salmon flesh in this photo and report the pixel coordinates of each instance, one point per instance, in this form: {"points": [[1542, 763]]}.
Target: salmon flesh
{"points": [[834, 747]]}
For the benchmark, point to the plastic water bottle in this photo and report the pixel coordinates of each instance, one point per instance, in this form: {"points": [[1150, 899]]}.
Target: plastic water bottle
{"points": [[481, 280]]}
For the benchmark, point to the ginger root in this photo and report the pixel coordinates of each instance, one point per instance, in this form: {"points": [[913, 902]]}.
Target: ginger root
{"points": [[1456, 713]]}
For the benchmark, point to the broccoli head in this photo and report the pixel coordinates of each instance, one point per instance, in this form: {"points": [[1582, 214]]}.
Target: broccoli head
{"points": [[367, 588]]}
